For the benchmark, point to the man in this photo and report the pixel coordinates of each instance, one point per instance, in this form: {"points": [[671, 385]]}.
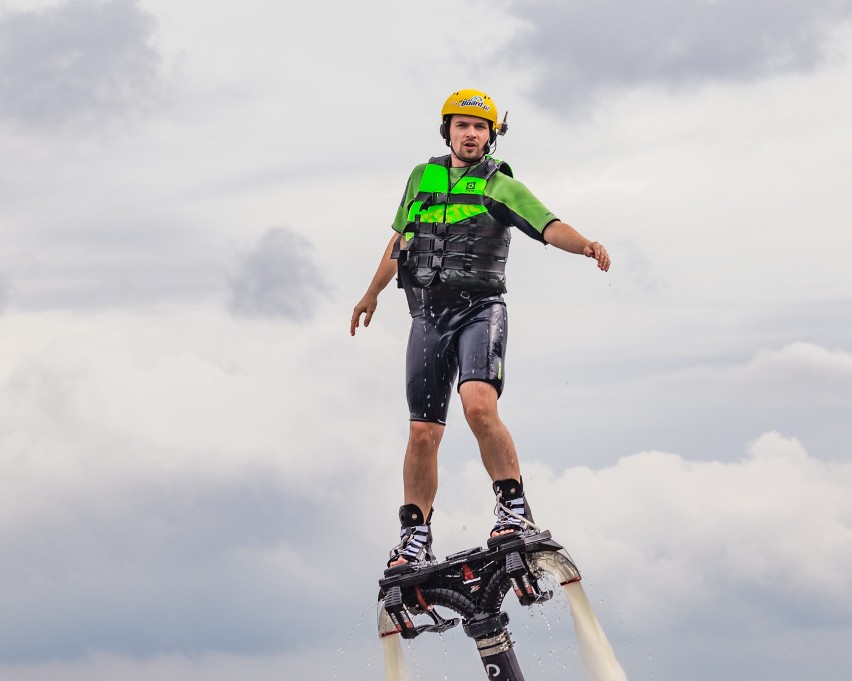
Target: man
{"points": [[449, 249]]}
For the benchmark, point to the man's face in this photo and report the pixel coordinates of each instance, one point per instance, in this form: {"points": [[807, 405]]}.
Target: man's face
{"points": [[468, 137]]}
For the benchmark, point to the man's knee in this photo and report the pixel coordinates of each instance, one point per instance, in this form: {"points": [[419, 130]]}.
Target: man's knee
{"points": [[479, 400], [424, 437]]}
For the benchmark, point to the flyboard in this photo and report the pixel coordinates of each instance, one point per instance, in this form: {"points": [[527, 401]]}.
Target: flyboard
{"points": [[473, 584]]}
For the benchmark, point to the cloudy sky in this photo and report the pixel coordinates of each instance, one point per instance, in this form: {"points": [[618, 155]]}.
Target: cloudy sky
{"points": [[200, 468]]}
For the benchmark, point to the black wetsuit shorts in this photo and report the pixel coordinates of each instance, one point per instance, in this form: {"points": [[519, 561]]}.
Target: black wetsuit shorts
{"points": [[458, 334]]}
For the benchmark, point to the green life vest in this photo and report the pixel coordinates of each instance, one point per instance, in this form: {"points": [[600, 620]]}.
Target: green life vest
{"points": [[453, 242]]}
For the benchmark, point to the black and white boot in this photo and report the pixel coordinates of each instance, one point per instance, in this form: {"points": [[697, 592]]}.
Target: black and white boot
{"points": [[514, 515], [415, 534]]}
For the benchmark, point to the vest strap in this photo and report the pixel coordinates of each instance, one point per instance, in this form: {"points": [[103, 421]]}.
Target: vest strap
{"points": [[469, 247], [429, 199], [461, 261], [468, 228]]}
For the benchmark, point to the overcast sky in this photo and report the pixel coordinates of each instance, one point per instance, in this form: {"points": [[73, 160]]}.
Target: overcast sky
{"points": [[201, 469]]}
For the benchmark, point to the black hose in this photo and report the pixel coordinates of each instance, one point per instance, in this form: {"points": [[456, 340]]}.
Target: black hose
{"points": [[495, 591], [452, 600]]}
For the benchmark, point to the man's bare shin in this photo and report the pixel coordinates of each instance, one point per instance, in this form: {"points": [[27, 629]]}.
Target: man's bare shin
{"points": [[498, 454], [495, 442], [420, 468]]}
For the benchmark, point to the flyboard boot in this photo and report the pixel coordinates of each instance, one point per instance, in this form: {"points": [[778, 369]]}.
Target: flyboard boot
{"points": [[415, 535], [514, 516]]}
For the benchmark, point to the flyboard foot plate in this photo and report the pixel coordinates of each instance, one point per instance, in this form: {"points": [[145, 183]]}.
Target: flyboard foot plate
{"points": [[473, 583]]}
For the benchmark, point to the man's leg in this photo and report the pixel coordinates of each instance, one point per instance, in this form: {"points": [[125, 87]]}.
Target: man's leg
{"points": [[430, 371], [496, 448], [420, 468], [498, 456], [420, 485]]}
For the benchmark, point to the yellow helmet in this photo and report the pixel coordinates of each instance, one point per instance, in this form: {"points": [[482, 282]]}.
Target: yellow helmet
{"points": [[470, 102]]}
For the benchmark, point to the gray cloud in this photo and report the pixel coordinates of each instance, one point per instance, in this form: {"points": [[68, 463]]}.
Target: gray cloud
{"points": [[80, 63], [141, 578], [278, 278], [579, 49], [6, 289]]}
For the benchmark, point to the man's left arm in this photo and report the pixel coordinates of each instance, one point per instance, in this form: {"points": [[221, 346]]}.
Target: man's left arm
{"points": [[566, 238]]}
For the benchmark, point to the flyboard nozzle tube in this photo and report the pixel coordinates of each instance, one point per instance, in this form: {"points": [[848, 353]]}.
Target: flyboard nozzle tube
{"points": [[558, 564], [498, 657], [495, 647]]}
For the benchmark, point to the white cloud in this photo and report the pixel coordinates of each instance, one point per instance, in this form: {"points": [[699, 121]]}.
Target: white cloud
{"points": [[185, 491], [668, 535], [178, 470], [682, 557]]}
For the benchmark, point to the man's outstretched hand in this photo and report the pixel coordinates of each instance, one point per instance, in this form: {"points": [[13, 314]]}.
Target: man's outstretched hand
{"points": [[598, 252]]}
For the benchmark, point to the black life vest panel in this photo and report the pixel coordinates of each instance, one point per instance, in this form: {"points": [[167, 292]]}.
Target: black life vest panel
{"points": [[453, 242]]}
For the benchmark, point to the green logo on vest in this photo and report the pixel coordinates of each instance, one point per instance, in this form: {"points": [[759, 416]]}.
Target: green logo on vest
{"points": [[471, 186]]}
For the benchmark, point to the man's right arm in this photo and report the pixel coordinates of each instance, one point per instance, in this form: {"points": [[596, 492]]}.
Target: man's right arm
{"points": [[384, 273]]}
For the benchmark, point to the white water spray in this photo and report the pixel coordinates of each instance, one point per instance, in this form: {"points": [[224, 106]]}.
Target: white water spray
{"points": [[595, 649], [395, 669]]}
